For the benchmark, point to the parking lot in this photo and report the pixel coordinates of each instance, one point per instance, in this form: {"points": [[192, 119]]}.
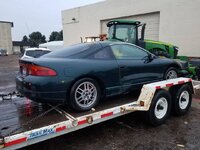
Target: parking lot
{"points": [[127, 132]]}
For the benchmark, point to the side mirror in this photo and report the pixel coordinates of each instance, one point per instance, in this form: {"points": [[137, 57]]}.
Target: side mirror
{"points": [[151, 57]]}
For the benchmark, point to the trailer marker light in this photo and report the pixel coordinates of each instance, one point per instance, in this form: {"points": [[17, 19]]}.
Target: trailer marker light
{"points": [[122, 109], [141, 103], [90, 119]]}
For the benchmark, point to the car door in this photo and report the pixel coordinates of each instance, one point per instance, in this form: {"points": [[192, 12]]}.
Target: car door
{"points": [[135, 65], [106, 69]]}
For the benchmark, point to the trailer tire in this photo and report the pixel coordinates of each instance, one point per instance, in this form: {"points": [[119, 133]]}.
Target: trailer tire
{"points": [[82, 97], [182, 99], [160, 108]]}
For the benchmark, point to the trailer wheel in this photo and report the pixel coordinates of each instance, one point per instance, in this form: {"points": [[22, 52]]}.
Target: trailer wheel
{"points": [[182, 100], [84, 94], [160, 108]]}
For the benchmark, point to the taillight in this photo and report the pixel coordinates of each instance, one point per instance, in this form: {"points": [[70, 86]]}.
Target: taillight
{"points": [[35, 70]]}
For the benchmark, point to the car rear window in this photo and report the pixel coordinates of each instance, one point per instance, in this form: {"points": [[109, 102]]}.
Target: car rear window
{"points": [[74, 51], [36, 53]]}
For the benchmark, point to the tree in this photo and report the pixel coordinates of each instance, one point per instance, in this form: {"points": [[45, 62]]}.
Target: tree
{"points": [[53, 36], [60, 36], [43, 40], [36, 38], [25, 39], [56, 36]]}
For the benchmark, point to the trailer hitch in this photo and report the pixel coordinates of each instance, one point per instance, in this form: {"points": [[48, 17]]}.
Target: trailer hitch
{"points": [[9, 96], [1, 142]]}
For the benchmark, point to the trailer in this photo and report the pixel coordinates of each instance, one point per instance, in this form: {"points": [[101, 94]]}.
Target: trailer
{"points": [[23, 122]]}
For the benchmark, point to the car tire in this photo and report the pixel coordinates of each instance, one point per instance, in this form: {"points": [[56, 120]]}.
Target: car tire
{"points": [[171, 73], [84, 95], [182, 99], [160, 108]]}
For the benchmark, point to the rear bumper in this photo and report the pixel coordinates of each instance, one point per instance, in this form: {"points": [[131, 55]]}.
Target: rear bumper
{"points": [[44, 97], [41, 90]]}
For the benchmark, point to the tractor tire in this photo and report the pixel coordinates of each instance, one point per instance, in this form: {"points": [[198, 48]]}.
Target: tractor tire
{"points": [[160, 53]]}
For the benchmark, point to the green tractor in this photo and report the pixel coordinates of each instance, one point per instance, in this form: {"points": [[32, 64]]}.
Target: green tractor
{"points": [[128, 31]]}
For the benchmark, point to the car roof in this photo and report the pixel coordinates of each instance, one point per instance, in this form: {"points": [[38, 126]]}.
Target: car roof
{"points": [[35, 48], [108, 43]]}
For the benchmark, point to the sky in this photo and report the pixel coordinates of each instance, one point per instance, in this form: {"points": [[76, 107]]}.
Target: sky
{"points": [[36, 15]]}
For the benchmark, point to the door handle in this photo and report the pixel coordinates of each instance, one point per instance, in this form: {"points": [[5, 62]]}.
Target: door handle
{"points": [[122, 66]]}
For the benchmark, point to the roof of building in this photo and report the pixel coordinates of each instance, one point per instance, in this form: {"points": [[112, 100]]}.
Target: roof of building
{"points": [[12, 24], [21, 43]]}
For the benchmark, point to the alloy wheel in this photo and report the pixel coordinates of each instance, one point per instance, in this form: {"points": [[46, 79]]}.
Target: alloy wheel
{"points": [[86, 94]]}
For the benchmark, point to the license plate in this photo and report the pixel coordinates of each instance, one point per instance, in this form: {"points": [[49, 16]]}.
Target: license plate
{"points": [[23, 70]]}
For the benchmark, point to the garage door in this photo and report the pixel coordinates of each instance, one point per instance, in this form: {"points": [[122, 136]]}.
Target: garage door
{"points": [[151, 19]]}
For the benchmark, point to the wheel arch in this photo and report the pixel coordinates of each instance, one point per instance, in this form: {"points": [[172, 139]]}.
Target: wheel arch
{"points": [[176, 66], [174, 88], [158, 48]]}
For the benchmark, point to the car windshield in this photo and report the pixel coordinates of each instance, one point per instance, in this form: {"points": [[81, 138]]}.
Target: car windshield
{"points": [[74, 50], [36, 53]]}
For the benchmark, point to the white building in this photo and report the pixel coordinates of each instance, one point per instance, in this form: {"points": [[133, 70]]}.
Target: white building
{"points": [[5, 36], [172, 21]]}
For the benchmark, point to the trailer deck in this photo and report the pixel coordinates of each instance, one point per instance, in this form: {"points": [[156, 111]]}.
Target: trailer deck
{"points": [[20, 114], [24, 122]]}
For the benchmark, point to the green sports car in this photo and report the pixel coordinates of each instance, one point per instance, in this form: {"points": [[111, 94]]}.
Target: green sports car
{"points": [[80, 75]]}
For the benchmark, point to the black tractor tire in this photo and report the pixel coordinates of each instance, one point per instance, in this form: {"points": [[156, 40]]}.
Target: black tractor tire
{"points": [[159, 52], [160, 108], [77, 105], [182, 99], [169, 71]]}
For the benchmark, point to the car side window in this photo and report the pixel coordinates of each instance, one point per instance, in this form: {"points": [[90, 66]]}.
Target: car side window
{"points": [[104, 53], [125, 51]]}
